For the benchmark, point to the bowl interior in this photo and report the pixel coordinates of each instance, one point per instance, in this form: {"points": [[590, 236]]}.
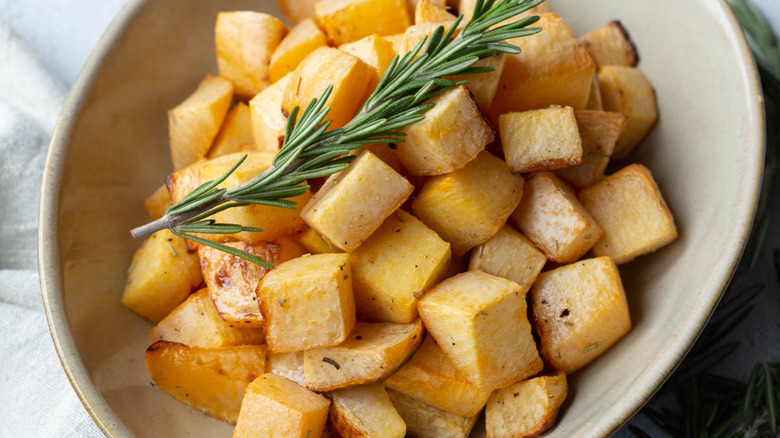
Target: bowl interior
{"points": [[110, 151]]}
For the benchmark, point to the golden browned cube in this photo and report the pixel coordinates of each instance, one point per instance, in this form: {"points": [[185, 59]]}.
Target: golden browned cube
{"points": [[365, 411], [552, 70], [236, 131], [326, 66], [483, 86], [277, 407], [211, 380], [298, 10], [632, 212], [610, 45], [432, 378], [161, 276], [599, 131], [304, 38], [429, 11], [196, 323], [397, 264], [376, 52], [438, 144], [544, 139], [468, 206], [397, 40], [594, 99], [345, 21], [626, 90], [370, 354], [315, 243], [268, 120], [289, 365], [425, 421], [307, 302], [554, 220], [194, 123], [156, 204], [580, 310], [527, 408], [509, 254], [353, 203], [480, 323], [245, 41]]}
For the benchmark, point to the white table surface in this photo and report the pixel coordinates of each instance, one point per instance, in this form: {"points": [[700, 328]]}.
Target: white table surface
{"points": [[64, 32]]}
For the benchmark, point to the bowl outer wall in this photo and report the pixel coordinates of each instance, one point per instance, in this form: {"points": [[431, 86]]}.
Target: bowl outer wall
{"points": [[94, 182]]}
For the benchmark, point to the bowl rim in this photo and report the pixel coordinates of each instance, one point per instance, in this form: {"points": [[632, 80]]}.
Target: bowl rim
{"points": [[50, 271]]}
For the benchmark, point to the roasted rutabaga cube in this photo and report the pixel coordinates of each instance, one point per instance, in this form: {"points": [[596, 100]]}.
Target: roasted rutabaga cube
{"points": [[594, 99], [326, 66], [429, 11], [580, 310], [212, 380], [430, 377], [468, 206], [302, 39], [425, 421], [162, 274], [365, 411], [196, 323], [307, 302], [289, 365], [439, 143], [194, 123], [552, 70], [276, 407], [236, 131], [268, 120], [544, 139], [345, 21], [599, 131], [156, 204], [610, 45], [554, 220], [480, 323], [398, 263], [527, 408], [245, 41], [298, 10], [483, 86], [376, 52], [509, 254], [626, 90], [352, 204], [370, 353], [632, 212], [315, 243], [414, 34]]}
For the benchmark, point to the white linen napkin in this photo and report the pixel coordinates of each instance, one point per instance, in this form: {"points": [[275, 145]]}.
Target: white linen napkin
{"points": [[36, 399]]}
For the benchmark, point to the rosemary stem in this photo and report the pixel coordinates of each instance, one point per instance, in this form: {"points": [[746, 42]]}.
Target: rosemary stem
{"points": [[174, 220]]}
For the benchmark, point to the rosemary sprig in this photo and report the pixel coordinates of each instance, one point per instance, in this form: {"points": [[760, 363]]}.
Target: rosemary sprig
{"points": [[311, 150]]}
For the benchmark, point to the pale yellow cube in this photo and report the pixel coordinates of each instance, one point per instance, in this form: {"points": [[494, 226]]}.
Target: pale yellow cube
{"points": [[599, 131], [212, 380], [397, 40], [386, 153], [398, 263], [276, 407], [315, 243], [483, 86], [353, 203], [425, 421], [626, 90], [468, 206], [580, 311], [371, 353], [156, 204], [527, 408], [268, 120], [376, 52], [509, 254], [610, 45], [365, 411], [345, 21], [236, 131], [161, 276], [429, 11], [196, 323], [194, 123], [430, 377], [302, 40], [307, 302], [480, 323], [554, 220], [326, 66], [438, 144], [288, 365], [552, 70], [245, 41], [632, 212], [298, 10], [544, 139]]}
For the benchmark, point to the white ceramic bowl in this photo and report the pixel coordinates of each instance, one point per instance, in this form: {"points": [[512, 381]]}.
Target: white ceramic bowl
{"points": [[110, 150]]}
